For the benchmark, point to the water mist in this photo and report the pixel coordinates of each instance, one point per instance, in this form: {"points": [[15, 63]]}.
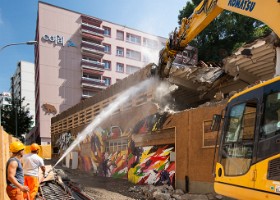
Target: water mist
{"points": [[120, 100]]}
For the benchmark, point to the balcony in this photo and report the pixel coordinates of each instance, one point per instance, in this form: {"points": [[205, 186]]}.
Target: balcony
{"points": [[92, 48], [93, 28], [92, 71], [93, 83], [91, 20], [92, 37], [90, 64], [96, 32]]}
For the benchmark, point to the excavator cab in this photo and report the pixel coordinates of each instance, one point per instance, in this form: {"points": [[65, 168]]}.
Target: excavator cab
{"points": [[248, 165]]}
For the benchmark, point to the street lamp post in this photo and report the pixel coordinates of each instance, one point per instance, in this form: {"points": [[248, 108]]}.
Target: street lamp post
{"points": [[13, 44]]}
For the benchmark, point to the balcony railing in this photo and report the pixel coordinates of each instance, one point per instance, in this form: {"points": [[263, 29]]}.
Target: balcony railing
{"points": [[92, 26], [91, 82], [92, 32], [91, 20], [92, 43], [93, 29], [92, 37], [95, 68], [88, 47], [93, 71], [98, 81], [89, 85], [93, 63], [88, 51]]}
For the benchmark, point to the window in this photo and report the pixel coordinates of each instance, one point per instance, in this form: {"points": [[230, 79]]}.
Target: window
{"points": [[107, 64], [269, 134], [117, 145], [107, 48], [150, 43], [133, 54], [131, 69], [133, 38], [120, 35], [270, 125], [107, 31], [120, 67], [120, 51], [237, 149], [107, 80]]}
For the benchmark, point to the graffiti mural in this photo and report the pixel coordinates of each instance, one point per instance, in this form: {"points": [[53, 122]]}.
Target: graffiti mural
{"points": [[96, 158], [151, 123], [151, 165], [111, 152], [64, 141]]}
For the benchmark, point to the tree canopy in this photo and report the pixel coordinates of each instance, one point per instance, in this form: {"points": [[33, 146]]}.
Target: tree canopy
{"points": [[16, 119], [224, 34]]}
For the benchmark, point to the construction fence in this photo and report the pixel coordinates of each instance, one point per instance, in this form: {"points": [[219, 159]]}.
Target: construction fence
{"points": [[5, 140]]}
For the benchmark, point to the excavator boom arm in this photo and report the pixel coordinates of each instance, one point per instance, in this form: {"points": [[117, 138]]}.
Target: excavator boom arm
{"points": [[266, 11]]}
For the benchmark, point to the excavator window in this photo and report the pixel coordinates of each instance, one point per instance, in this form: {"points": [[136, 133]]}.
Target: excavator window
{"points": [[269, 134], [237, 148], [271, 117]]}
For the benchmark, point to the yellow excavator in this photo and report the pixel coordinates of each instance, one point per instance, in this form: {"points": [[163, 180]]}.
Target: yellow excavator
{"points": [[248, 164]]}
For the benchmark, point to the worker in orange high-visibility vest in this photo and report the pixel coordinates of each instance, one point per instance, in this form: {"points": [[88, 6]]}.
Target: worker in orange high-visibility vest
{"points": [[14, 173], [31, 164]]}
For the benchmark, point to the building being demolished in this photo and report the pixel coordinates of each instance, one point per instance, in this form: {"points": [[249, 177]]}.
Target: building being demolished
{"points": [[138, 140]]}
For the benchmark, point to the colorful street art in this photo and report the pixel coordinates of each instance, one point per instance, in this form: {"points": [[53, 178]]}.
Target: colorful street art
{"points": [[149, 164], [64, 141], [151, 123], [94, 159], [140, 165]]}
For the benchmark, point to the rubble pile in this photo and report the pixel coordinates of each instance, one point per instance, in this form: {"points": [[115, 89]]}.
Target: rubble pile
{"points": [[165, 192], [57, 186]]}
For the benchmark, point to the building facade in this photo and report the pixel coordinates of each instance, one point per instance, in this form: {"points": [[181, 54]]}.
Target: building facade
{"points": [[78, 56], [23, 87], [5, 98]]}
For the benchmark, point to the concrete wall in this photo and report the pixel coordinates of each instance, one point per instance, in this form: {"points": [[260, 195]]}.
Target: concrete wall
{"points": [[193, 160]]}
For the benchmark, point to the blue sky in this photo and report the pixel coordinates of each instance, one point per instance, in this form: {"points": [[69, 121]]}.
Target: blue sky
{"points": [[18, 23]]}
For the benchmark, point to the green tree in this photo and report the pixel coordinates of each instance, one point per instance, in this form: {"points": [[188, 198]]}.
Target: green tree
{"points": [[224, 34], [16, 119]]}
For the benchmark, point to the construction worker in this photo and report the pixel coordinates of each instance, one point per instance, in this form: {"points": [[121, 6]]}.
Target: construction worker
{"points": [[31, 164], [14, 173]]}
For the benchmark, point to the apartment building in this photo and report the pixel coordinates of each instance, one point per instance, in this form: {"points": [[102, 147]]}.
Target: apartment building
{"points": [[78, 56], [5, 98], [23, 87]]}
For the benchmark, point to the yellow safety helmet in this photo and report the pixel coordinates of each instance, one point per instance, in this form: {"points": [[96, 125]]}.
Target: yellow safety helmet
{"points": [[16, 147], [34, 147]]}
